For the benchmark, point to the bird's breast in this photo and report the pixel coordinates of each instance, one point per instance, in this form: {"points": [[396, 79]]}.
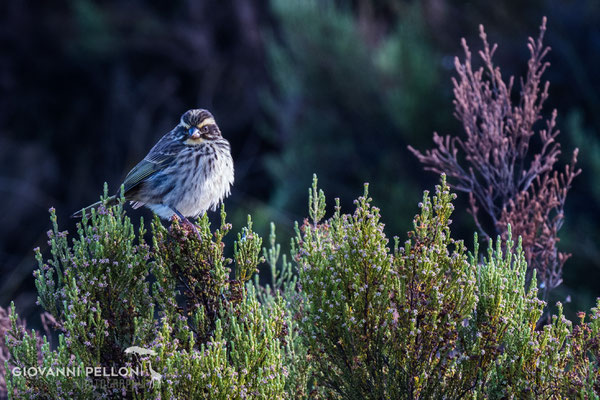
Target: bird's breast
{"points": [[204, 180]]}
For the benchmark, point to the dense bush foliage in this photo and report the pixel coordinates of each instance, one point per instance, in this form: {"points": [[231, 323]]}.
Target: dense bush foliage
{"points": [[428, 320], [292, 83], [362, 318], [209, 335]]}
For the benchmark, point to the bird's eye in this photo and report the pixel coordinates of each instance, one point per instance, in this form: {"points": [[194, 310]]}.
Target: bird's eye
{"points": [[205, 129]]}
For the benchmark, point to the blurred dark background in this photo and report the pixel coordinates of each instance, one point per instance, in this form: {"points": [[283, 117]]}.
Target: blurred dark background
{"points": [[335, 88]]}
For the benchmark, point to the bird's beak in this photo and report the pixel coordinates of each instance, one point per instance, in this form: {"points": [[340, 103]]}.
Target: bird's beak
{"points": [[194, 133]]}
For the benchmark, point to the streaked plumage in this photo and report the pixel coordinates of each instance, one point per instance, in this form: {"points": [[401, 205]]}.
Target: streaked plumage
{"points": [[189, 170]]}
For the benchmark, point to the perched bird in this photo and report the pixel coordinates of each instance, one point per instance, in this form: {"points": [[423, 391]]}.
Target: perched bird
{"points": [[189, 171]]}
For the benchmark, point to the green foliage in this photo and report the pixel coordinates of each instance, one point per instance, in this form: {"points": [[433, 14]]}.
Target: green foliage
{"points": [[26, 350], [204, 335], [96, 286], [426, 320], [580, 229], [359, 319], [350, 90], [284, 289], [587, 140]]}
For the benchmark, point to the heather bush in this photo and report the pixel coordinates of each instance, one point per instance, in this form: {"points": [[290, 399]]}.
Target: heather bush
{"points": [[427, 319], [283, 288], [200, 333], [349, 316]]}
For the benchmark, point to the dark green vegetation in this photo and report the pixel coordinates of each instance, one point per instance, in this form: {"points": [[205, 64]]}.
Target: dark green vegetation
{"points": [[297, 87], [86, 88], [365, 318]]}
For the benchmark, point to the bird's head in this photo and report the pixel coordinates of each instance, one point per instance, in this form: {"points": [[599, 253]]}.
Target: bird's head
{"points": [[199, 125]]}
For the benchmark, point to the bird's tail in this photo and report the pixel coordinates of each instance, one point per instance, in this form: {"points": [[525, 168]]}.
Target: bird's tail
{"points": [[110, 201]]}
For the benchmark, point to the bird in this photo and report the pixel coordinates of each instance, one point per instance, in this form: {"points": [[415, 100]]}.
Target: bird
{"points": [[155, 376], [187, 172]]}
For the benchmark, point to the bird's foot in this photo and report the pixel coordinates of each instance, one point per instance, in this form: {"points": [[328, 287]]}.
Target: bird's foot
{"points": [[187, 226], [194, 228], [187, 222]]}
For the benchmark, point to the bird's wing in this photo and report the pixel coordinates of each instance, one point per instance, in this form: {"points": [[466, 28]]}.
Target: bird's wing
{"points": [[160, 156], [154, 162]]}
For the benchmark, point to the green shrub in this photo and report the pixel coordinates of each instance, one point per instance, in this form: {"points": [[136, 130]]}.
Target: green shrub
{"points": [[426, 320], [206, 335], [361, 319]]}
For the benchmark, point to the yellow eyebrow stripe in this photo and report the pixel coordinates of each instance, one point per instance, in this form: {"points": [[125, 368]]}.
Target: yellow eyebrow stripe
{"points": [[207, 121]]}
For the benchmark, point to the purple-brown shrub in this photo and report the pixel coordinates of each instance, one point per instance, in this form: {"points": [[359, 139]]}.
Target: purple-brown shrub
{"points": [[506, 160]]}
